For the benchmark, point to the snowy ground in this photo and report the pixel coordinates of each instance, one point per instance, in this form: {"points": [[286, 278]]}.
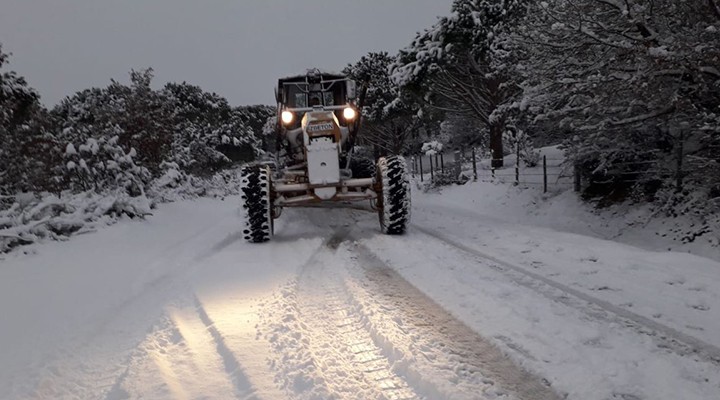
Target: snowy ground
{"points": [[473, 303], [561, 209]]}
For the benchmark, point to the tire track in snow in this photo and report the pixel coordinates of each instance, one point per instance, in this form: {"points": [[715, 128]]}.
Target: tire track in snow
{"points": [[181, 358], [156, 290], [290, 357], [343, 345], [665, 336], [321, 347], [233, 368], [445, 358], [450, 359], [117, 392]]}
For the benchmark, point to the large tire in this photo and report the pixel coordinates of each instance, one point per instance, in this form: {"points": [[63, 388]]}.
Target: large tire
{"points": [[394, 201], [256, 204]]}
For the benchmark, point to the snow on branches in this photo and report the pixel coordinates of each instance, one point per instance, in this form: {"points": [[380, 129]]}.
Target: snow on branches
{"points": [[634, 87], [432, 148], [459, 65], [106, 152]]}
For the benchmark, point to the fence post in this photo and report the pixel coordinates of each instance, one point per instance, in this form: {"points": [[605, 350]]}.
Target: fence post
{"points": [[457, 165], [679, 174], [578, 178], [421, 168], [412, 170], [432, 176], [517, 163], [442, 163], [474, 165], [544, 174]]}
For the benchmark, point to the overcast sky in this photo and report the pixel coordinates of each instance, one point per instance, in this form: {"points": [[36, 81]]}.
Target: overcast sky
{"points": [[236, 48]]}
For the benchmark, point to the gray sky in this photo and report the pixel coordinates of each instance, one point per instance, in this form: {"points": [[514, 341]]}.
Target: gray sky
{"points": [[236, 48]]}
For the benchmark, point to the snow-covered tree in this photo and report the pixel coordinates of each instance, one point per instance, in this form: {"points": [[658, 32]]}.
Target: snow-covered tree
{"points": [[269, 134], [390, 120], [458, 131], [17, 101], [250, 136], [209, 134], [137, 115], [28, 150], [635, 84], [147, 120], [460, 65]]}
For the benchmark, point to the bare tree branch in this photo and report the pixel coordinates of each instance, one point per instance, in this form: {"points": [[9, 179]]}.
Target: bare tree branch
{"points": [[644, 117]]}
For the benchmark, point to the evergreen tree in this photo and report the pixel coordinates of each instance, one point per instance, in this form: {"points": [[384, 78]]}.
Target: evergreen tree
{"points": [[390, 120], [635, 85], [28, 150], [460, 65]]}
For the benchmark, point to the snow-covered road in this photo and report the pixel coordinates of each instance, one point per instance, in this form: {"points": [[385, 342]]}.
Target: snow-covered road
{"points": [[464, 306]]}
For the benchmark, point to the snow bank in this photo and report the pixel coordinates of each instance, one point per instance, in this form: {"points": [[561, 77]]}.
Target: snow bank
{"points": [[639, 224], [30, 218]]}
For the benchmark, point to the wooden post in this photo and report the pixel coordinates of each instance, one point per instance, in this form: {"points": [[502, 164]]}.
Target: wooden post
{"points": [[442, 163], [457, 165], [578, 178], [517, 163], [421, 168], [474, 160], [679, 173], [412, 171], [432, 176], [544, 174]]}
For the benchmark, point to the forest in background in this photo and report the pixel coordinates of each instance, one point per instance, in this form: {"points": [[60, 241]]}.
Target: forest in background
{"points": [[629, 88]]}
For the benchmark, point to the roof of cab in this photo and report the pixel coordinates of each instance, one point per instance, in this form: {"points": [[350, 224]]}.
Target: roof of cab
{"points": [[314, 72]]}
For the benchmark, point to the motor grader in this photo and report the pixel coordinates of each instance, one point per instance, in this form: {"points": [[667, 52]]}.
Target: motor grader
{"points": [[318, 116]]}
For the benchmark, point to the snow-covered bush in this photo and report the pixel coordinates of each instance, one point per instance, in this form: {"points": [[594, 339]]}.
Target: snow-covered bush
{"points": [[101, 164], [116, 151], [175, 184], [517, 141], [27, 218], [432, 148], [447, 178], [47, 216]]}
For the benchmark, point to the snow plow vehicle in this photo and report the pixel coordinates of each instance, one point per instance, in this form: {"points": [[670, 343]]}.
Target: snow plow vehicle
{"points": [[318, 121]]}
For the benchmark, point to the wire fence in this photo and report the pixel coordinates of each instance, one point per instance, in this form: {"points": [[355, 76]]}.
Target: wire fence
{"points": [[678, 167], [550, 171]]}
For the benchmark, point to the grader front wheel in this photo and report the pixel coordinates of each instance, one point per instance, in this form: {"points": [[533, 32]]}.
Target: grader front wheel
{"points": [[256, 204], [394, 201]]}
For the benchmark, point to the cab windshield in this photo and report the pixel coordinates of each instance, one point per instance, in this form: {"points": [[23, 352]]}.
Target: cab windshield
{"points": [[304, 95]]}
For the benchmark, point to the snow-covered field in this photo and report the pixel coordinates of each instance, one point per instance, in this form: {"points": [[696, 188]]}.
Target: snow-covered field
{"points": [[480, 300]]}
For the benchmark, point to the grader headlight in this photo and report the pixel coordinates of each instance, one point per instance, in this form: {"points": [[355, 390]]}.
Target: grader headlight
{"points": [[287, 117], [349, 113]]}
